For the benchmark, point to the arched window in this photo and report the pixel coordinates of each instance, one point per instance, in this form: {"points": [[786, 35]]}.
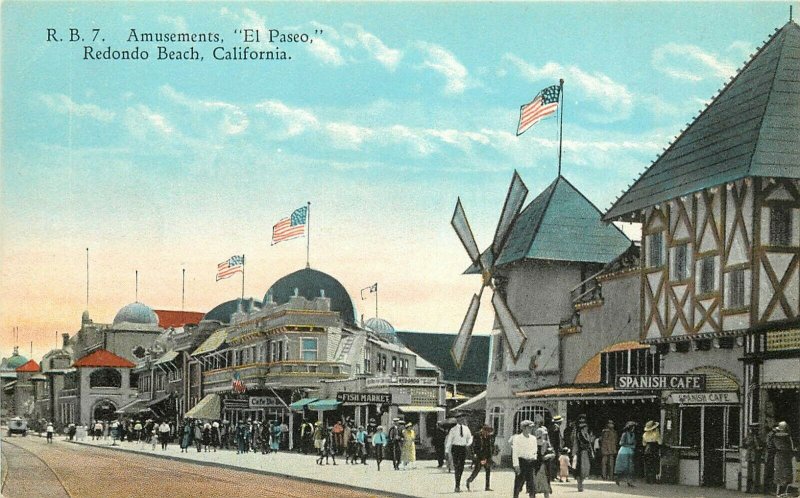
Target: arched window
{"points": [[530, 412], [497, 419], [105, 377]]}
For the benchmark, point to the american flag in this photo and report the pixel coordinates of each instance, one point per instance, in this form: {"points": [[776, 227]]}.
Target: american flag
{"points": [[237, 384], [230, 266], [544, 104], [291, 227]]}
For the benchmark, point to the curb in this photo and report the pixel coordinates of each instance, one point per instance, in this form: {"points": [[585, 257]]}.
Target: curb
{"points": [[252, 471]]}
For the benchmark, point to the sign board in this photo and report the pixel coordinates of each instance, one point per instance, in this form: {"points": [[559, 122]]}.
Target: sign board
{"points": [[264, 402], [730, 398], [665, 382], [405, 381], [364, 398], [233, 403]]}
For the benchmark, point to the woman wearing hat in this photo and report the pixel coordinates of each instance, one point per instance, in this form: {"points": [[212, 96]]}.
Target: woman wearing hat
{"points": [[623, 467], [651, 440], [409, 450], [483, 449], [784, 450]]}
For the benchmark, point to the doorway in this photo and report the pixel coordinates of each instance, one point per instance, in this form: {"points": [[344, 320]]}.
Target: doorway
{"points": [[714, 446]]}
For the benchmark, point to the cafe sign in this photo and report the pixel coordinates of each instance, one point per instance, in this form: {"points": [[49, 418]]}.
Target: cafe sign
{"points": [[263, 401], [364, 398], [731, 398], [665, 382]]}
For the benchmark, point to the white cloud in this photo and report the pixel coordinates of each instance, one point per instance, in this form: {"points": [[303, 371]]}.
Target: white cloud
{"points": [[690, 62], [322, 48], [143, 122], [234, 120], [445, 63], [613, 97], [347, 136], [177, 23], [63, 104], [387, 57], [296, 120]]}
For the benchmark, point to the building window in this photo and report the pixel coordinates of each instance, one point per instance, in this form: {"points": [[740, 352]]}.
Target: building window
{"points": [[679, 267], [496, 421], [367, 360], [628, 362], [736, 289], [105, 377], [394, 365], [655, 246], [530, 412], [780, 226], [690, 426], [707, 275], [309, 351]]}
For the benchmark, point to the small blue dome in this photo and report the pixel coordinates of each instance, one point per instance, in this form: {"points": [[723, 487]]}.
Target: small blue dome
{"points": [[379, 325], [137, 313]]}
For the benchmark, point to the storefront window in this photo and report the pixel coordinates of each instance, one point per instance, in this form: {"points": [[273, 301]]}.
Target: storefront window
{"points": [[690, 426], [497, 418], [530, 412], [733, 426], [309, 351]]}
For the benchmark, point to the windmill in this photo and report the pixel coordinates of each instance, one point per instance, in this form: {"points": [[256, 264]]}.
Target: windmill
{"points": [[515, 337]]}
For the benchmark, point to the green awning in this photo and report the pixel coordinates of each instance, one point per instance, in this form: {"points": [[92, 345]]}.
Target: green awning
{"points": [[207, 409], [214, 341], [300, 404], [324, 404]]}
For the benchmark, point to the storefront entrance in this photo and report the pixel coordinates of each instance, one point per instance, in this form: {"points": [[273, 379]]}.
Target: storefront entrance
{"points": [[711, 432]]}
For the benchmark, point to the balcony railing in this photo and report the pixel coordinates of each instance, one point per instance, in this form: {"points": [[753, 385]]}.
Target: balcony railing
{"points": [[254, 371]]}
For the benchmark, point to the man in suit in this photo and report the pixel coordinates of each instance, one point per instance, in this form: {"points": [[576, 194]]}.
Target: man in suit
{"points": [[458, 439]]}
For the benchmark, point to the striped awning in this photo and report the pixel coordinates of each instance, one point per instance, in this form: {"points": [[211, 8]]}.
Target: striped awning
{"points": [[214, 341], [207, 408]]}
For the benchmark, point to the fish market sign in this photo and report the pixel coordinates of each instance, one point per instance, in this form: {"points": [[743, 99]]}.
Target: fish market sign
{"points": [[666, 382], [361, 398]]}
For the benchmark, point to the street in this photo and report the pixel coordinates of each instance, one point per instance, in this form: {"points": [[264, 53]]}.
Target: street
{"points": [[32, 468]]}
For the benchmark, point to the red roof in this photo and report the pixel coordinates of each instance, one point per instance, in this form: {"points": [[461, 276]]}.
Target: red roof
{"points": [[30, 366], [103, 358], [175, 319]]}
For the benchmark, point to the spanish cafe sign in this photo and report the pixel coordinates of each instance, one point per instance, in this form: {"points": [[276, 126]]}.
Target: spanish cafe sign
{"points": [[725, 398], [364, 398], [665, 382]]}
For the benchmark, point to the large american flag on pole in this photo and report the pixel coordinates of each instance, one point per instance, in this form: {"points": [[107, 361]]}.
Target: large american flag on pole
{"points": [[544, 104], [230, 266], [237, 384], [291, 227]]}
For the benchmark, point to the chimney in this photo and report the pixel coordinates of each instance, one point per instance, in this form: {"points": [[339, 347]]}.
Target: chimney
{"points": [[64, 340], [296, 292], [322, 293]]}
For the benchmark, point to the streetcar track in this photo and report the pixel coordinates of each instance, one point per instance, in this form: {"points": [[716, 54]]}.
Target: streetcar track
{"points": [[58, 477]]}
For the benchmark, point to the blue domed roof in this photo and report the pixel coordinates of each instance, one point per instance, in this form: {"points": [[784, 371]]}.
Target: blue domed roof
{"points": [[222, 312], [15, 361], [137, 313], [309, 283], [379, 325]]}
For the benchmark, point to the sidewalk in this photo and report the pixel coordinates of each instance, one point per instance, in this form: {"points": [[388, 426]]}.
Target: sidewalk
{"points": [[424, 481]]}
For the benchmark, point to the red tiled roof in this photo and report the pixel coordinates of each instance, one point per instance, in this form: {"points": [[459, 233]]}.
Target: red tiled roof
{"points": [[30, 366], [175, 319], [103, 358]]}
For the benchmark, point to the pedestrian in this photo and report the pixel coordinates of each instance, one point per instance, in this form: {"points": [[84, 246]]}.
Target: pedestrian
{"points": [[242, 435], [784, 451], [197, 433], [458, 439], [264, 438], [563, 465], [98, 430], [338, 437], [379, 441], [439, 435], [206, 436], [215, 435], [306, 436], [409, 450], [554, 434], [137, 431], [71, 431], [319, 437], [608, 450], [361, 442], [346, 437], [115, 429], [396, 442], [372, 428], [623, 467], [186, 435], [524, 456], [284, 439], [483, 449], [769, 464], [545, 454], [49, 430], [328, 447], [582, 451], [163, 434], [277, 436], [154, 435], [755, 448], [353, 447], [651, 440]]}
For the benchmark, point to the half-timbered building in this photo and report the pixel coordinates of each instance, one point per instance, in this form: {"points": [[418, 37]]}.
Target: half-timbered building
{"points": [[720, 215]]}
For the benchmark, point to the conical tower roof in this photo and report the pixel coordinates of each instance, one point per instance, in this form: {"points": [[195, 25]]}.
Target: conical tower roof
{"points": [[751, 129]]}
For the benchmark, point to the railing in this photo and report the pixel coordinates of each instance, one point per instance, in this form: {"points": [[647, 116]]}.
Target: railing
{"points": [[281, 368], [588, 290]]}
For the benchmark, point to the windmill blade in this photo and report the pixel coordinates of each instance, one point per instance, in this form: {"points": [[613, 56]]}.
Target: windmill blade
{"points": [[515, 197], [514, 335], [461, 226], [461, 344]]}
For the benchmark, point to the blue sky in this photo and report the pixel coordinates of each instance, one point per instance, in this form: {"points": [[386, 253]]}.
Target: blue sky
{"points": [[393, 112]]}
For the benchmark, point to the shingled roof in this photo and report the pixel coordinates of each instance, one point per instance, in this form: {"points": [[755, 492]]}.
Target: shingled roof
{"points": [[751, 129], [103, 358], [561, 224], [435, 348]]}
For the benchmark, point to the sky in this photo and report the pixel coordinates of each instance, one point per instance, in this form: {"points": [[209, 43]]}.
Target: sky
{"points": [[391, 113]]}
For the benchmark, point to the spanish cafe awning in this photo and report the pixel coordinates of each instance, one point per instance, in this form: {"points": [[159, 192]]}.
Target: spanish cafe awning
{"points": [[300, 404], [324, 404], [207, 408]]}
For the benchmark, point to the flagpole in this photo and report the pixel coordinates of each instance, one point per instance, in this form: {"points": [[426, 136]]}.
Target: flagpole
{"points": [[243, 280], [87, 279], [183, 289], [308, 235], [376, 300], [561, 123]]}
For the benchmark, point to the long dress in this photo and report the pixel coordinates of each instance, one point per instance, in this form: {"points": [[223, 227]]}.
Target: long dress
{"points": [[186, 440], [624, 463], [409, 451], [277, 432], [541, 481], [783, 458]]}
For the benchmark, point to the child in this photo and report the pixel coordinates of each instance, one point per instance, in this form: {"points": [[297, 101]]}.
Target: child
{"points": [[563, 465]]}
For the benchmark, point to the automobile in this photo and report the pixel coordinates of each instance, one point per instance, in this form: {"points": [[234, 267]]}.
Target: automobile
{"points": [[17, 425]]}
